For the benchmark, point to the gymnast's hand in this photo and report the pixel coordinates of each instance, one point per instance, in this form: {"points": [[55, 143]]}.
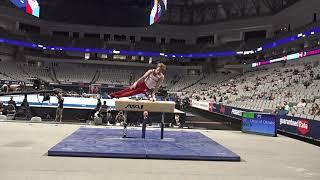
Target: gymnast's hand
{"points": [[133, 86], [152, 98]]}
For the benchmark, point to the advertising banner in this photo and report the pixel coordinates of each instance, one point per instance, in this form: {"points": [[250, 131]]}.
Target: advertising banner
{"points": [[294, 125], [203, 105], [299, 126]]}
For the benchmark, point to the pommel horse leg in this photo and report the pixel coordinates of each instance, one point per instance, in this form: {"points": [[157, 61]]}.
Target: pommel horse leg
{"points": [[125, 130], [144, 126], [162, 125]]}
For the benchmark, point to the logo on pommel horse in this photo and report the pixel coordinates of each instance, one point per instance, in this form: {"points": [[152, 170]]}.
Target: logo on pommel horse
{"points": [[134, 106]]}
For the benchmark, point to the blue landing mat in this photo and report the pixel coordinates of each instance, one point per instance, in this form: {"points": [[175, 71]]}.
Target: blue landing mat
{"points": [[97, 142]]}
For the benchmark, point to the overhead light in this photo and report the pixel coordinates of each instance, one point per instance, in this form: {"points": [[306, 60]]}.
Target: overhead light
{"points": [[116, 52], [248, 52]]}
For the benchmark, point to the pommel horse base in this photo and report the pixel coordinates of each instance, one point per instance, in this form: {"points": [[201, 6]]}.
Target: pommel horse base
{"points": [[125, 105]]}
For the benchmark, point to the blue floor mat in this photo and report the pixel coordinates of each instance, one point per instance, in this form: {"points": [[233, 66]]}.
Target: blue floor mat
{"points": [[183, 145]]}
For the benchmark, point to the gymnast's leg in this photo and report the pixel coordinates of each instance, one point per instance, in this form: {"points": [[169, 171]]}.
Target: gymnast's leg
{"points": [[140, 88]]}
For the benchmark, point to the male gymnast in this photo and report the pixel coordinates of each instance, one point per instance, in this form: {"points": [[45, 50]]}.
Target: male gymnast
{"points": [[151, 80]]}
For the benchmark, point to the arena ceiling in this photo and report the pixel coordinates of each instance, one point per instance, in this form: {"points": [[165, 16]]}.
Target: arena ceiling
{"points": [[194, 12], [136, 12], [97, 12]]}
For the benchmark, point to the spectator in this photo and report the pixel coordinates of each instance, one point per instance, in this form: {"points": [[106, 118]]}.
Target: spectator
{"points": [[59, 111], [307, 84], [215, 98], [97, 108], [146, 118], [311, 74], [120, 118], [271, 97], [284, 109], [176, 121], [12, 102], [23, 110], [104, 106], [1, 107], [5, 88], [315, 110], [103, 112], [302, 103]]}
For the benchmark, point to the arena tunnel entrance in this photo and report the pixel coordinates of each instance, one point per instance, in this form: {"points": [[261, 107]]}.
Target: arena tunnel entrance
{"points": [[196, 118]]}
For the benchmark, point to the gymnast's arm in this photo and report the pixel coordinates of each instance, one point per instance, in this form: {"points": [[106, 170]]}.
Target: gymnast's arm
{"points": [[142, 78], [157, 87]]}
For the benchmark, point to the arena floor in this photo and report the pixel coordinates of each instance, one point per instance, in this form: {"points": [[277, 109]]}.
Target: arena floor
{"points": [[24, 146]]}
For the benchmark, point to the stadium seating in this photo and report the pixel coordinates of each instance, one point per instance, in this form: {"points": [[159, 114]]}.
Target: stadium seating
{"points": [[265, 89], [68, 73], [11, 71], [32, 71]]}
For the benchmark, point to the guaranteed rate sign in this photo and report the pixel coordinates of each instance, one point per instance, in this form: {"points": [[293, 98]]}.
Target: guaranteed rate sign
{"points": [[259, 123]]}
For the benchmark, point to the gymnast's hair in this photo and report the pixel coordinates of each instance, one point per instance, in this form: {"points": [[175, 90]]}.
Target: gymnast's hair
{"points": [[162, 66]]}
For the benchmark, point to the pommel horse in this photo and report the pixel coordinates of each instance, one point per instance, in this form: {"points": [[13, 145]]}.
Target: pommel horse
{"points": [[124, 104]]}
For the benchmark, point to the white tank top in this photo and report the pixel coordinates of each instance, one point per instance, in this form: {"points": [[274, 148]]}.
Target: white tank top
{"points": [[152, 80]]}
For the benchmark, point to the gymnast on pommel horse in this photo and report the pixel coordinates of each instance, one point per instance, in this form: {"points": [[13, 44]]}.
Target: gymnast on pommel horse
{"points": [[151, 80]]}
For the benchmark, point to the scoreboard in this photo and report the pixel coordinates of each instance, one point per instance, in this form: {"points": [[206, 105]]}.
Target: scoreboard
{"points": [[259, 123]]}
